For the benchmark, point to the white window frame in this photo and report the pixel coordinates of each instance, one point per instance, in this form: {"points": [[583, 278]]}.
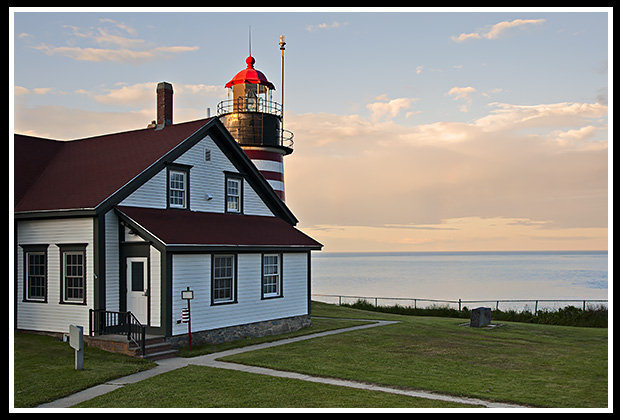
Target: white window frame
{"points": [[70, 277], [39, 276], [181, 191], [218, 278], [272, 275], [233, 194]]}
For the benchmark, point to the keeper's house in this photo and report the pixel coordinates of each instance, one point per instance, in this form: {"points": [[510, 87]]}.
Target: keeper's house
{"points": [[123, 223]]}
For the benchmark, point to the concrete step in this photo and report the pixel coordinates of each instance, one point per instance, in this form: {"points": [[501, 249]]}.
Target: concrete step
{"points": [[156, 347]]}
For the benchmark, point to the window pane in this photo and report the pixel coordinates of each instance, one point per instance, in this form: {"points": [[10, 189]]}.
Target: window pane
{"points": [[36, 275], [233, 194], [223, 277], [137, 276], [271, 275], [74, 275], [177, 188]]}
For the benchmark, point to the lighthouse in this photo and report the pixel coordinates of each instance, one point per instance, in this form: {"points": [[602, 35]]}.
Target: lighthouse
{"points": [[254, 120]]}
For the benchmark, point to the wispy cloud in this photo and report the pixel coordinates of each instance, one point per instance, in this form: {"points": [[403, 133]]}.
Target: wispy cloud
{"points": [[113, 41], [388, 108], [462, 93], [322, 26], [495, 31]]}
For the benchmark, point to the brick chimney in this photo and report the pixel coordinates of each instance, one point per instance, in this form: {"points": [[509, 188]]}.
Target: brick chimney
{"points": [[164, 104]]}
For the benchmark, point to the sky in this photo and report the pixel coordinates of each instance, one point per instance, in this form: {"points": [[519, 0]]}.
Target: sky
{"points": [[415, 129]]}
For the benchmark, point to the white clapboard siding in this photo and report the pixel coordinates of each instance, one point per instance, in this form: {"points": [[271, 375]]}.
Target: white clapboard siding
{"points": [[155, 287], [194, 270], [52, 315], [112, 282], [206, 180]]}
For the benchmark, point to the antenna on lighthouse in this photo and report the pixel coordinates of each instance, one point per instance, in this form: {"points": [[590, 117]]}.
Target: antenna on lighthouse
{"points": [[250, 40], [282, 44]]}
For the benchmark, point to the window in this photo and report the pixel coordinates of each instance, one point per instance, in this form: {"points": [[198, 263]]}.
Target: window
{"points": [[177, 189], [272, 276], [73, 274], [234, 192], [223, 282], [35, 273], [137, 276]]}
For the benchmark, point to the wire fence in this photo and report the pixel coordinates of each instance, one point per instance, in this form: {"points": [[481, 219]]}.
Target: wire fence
{"points": [[519, 305]]}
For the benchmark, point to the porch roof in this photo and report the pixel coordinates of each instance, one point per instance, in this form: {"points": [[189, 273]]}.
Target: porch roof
{"points": [[173, 227]]}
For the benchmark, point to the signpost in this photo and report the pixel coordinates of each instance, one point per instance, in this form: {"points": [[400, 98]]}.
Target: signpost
{"points": [[187, 295], [76, 341]]}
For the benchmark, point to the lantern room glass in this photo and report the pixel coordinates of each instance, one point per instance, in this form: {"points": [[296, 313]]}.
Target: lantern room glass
{"points": [[251, 97]]}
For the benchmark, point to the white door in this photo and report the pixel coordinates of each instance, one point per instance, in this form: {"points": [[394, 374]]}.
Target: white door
{"points": [[137, 288]]}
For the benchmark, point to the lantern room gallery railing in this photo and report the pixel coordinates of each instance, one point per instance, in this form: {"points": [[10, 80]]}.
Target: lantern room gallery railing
{"points": [[249, 105]]}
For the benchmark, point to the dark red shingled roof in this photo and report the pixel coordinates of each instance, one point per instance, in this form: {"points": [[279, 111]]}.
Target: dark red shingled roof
{"points": [[181, 227], [80, 174]]}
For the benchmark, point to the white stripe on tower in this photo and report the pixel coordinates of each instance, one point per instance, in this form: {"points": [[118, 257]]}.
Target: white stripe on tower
{"points": [[270, 164]]}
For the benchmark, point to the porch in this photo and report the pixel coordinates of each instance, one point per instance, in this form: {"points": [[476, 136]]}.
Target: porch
{"points": [[121, 332]]}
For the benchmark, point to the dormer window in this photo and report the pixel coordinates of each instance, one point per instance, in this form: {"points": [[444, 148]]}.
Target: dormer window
{"points": [[178, 187]]}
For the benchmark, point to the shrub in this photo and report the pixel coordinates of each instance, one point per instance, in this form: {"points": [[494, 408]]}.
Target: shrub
{"points": [[596, 316]]}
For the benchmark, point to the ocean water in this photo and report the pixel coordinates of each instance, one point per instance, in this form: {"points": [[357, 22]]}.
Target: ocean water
{"points": [[474, 276]]}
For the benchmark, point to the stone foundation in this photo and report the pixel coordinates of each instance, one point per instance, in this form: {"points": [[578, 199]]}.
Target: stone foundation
{"points": [[256, 329]]}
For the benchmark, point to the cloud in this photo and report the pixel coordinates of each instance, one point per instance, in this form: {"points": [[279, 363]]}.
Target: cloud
{"points": [[142, 95], [388, 108], [497, 30], [134, 107], [123, 55], [464, 94], [113, 42], [327, 26], [459, 234], [20, 90], [540, 162], [562, 114]]}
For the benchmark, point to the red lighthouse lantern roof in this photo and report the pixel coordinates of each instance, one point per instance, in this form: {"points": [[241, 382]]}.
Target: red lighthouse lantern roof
{"points": [[250, 76]]}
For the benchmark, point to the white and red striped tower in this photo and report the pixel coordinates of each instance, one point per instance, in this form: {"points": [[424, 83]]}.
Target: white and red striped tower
{"points": [[255, 121]]}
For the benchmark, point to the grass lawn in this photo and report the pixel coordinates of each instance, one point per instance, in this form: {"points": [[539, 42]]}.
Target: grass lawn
{"points": [[200, 386], [44, 369], [535, 365]]}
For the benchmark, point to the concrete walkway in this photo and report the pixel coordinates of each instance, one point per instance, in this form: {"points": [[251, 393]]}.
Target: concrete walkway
{"points": [[168, 365]]}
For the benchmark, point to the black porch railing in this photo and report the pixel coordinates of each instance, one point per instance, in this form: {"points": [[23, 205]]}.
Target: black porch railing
{"points": [[124, 323]]}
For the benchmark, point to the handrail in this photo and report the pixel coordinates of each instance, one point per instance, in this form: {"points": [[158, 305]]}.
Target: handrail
{"points": [[116, 322], [136, 332], [249, 105]]}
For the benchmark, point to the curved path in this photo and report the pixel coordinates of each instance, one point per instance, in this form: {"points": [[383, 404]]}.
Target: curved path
{"points": [[168, 365]]}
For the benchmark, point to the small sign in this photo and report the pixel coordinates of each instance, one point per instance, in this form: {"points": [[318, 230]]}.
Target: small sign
{"points": [[76, 337], [187, 295], [76, 341]]}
